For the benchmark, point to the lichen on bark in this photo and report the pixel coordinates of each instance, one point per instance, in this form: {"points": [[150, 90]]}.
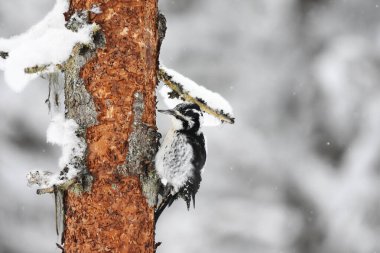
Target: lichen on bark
{"points": [[142, 148], [79, 103]]}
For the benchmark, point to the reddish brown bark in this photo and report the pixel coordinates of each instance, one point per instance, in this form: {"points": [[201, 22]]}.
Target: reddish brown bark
{"points": [[114, 216]]}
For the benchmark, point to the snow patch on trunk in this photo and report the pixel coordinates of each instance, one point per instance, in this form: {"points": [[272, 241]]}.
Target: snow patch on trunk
{"points": [[62, 132]]}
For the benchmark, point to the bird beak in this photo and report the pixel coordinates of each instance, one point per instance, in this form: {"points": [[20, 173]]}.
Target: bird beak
{"points": [[170, 112]]}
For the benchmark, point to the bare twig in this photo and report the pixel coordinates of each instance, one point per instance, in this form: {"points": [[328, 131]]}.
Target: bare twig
{"points": [[66, 185], [184, 94], [42, 68], [45, 190]]}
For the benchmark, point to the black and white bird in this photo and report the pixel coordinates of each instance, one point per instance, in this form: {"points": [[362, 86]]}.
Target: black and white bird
{"points": [[182, 155]]}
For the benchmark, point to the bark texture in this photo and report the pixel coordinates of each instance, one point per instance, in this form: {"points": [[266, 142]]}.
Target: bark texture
{"points": [[119, 77]]}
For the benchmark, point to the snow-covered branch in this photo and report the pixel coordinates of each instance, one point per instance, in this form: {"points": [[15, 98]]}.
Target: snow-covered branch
{"points": [[185, 89], [49, 42], [46, 48], [44, 178]]}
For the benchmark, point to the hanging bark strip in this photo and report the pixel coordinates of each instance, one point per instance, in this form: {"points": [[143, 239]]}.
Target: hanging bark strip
{"points": [[115, 216]]}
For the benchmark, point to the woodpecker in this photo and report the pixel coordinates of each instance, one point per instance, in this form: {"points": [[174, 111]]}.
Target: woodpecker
{"points": [[182, 155]]}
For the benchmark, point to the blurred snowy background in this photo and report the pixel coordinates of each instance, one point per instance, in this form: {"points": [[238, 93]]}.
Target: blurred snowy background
{"points": [[299, 172]]}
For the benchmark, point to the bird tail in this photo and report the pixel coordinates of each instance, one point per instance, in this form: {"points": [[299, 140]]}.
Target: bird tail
{"points": [[188, 193], [167, 201]]}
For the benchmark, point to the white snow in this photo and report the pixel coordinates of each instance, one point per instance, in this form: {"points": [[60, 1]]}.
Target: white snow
{"points": [[213, 99], [41, 178], [47, 42], [61, 132]]}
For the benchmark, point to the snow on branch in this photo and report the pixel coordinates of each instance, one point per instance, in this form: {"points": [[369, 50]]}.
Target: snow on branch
{"points": [[47, 43], [179, 87], [43, 178], [45, 49]]}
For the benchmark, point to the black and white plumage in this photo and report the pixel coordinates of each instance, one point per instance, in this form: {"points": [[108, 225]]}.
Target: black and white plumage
{"points": [[182, 155]]}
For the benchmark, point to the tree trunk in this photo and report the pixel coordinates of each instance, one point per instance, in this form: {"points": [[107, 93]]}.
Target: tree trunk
{"points": [[111, 94]]}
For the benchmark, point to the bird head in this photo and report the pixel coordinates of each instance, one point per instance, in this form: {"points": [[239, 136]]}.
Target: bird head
{"points": [[186, 116]]}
